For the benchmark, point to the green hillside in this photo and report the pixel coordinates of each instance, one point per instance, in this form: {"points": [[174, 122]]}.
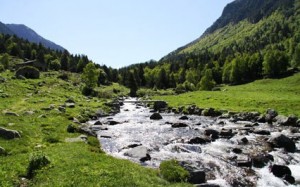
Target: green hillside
{"points": [[282, 95]]}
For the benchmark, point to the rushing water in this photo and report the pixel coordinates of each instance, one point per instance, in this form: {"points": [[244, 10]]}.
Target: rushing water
{"points": [[162, 142]]}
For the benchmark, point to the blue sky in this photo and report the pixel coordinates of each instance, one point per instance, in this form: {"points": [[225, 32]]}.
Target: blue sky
{"points": [[115, 32]]}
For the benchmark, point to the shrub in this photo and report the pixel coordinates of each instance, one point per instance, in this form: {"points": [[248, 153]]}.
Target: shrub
{"points": [[37, 161], [72, 128], [51, 139], [173, 172]]}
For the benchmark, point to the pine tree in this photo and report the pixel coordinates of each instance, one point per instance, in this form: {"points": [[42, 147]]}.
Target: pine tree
{"points": [[132, 85]]}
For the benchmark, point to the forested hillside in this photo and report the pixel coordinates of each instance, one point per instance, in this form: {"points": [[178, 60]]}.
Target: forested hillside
{"points": [[251, 40], [12, 47]]}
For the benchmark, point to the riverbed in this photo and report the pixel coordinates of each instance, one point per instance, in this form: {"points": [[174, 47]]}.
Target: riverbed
{"points": [[132, 135]]}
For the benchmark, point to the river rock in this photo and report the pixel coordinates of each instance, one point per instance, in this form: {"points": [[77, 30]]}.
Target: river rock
{"points": [[183, 118], [290, 179], [98, 123], [9, 134], [212, 133], [197, 177], [137, 152], [146, 158], [283, 141], [226, 133], [156, 116], [270, 115], [280, 171], [100, 113], [211, 112], [237, 150], [179, 125], [159, 105], [286, 121], [262, 132], [198, 140], [113, 122], [260, 161], [245, 140]]}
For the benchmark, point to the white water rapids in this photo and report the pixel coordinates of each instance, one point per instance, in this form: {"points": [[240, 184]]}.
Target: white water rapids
{"points": [[164, 142]]}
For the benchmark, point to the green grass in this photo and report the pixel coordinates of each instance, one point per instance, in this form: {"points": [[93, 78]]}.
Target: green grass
{"points": [[282, 95], [71, 164]]}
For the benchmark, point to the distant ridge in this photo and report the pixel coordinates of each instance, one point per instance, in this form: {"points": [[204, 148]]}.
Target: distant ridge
{"points": [[22, 31]]}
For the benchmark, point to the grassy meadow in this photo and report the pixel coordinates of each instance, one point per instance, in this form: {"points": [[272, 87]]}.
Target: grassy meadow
{"points": [[282, 95], [43, 130]]}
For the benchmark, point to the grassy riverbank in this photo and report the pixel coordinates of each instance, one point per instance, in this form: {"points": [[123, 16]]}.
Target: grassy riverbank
{"points": [[43, 129], [281, 94]]}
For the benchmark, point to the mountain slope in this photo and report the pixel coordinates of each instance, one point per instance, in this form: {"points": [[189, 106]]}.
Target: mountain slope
{"points": [[251, 12], [25, 32], [4, 29]]}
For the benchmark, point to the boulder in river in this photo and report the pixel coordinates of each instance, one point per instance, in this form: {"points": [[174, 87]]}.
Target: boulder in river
{"points": [[198, 140], [287, 121], [183, 118], [261, 160], [283, 141], [137, 152], [98, 123], [113, 123], [212, 133], [197, 177], [156, 116], [280, 171], [262, 132], [9, 134], [226, 133], [178, 125]]}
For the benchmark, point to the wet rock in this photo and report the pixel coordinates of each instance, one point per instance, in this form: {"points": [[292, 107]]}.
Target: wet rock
{"points": [[283, 141], [260, 161], [287, 121], [237, 150], [262, 132], [133, 145], [244, 163], [197, 177], [212, 133], [184, 118], [159, 105], [198, 140], [226, 133], [146, 158], [290, 179], [9, 134], [280, 171], [137, 152], [98, 123], [105, 136], [244, 140], [156, 116], [248, 116], [113, 122], [179, 125], [270, 115]]}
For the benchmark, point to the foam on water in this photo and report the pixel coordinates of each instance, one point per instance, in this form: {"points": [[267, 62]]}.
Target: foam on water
{"points": [[164, 142]]}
